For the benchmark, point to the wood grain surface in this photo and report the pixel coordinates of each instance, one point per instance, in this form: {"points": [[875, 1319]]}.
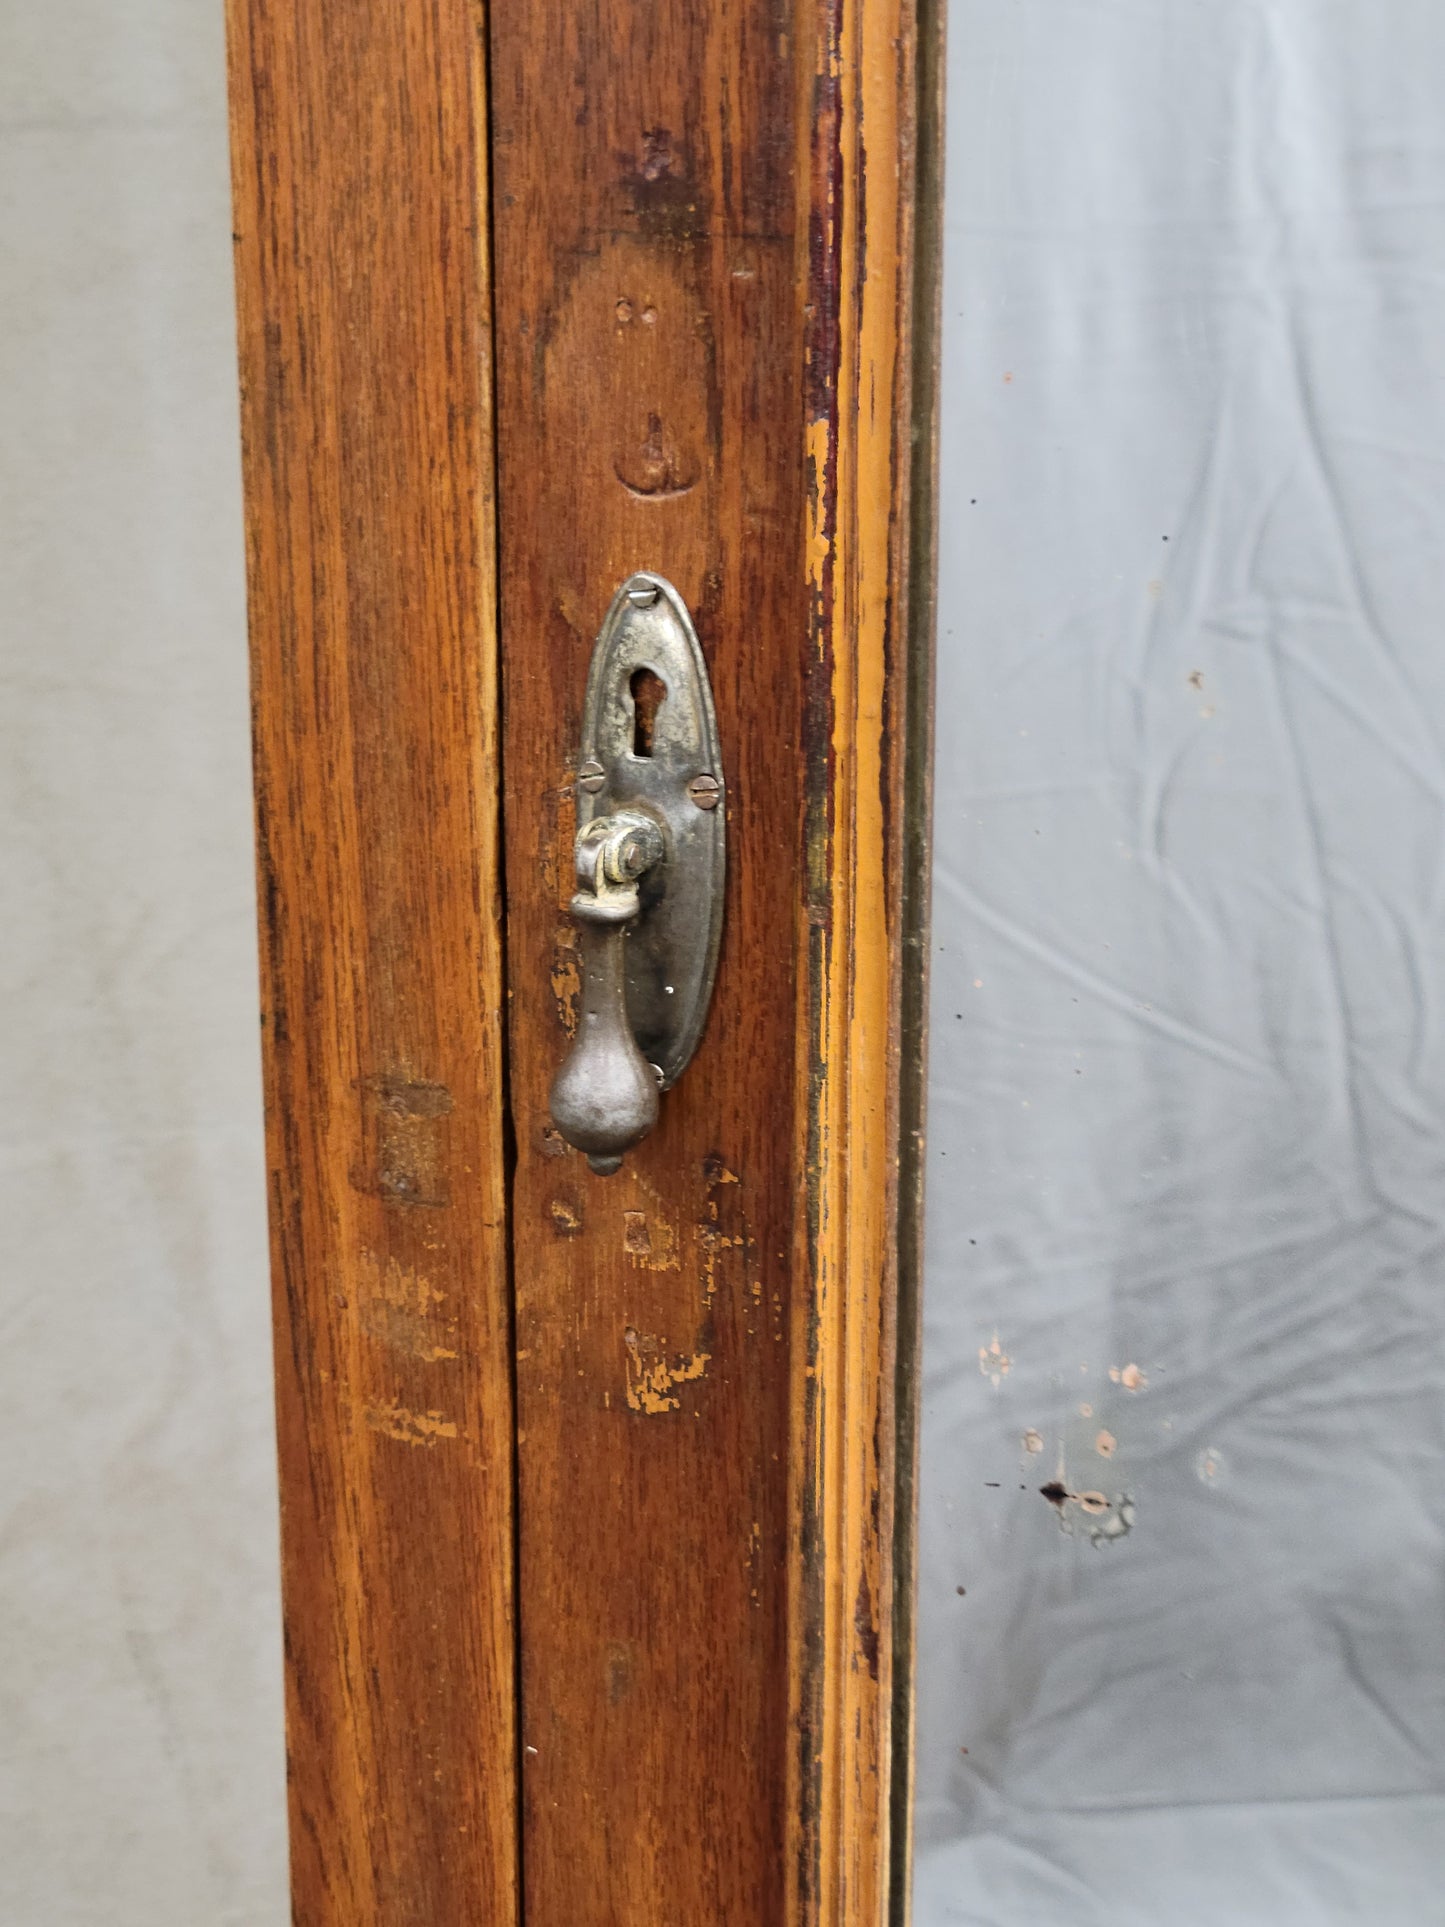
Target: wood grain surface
{"points": [[649, 416], [859, 152], [702, 243], [360, 194]]}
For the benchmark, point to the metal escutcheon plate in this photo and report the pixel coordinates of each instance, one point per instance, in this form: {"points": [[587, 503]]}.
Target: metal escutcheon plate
{"points": [[667, 762]]}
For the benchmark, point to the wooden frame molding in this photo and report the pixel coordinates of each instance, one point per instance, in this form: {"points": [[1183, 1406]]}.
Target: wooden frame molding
{"points": [[360, 157], [867, 724]]}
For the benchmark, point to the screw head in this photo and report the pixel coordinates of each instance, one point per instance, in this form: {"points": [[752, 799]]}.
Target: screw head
{"points": [[642, 597], [705, 791], [591, 776]]}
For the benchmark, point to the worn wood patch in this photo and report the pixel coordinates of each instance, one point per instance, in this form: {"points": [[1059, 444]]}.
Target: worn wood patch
{"points": [[857, 171]]}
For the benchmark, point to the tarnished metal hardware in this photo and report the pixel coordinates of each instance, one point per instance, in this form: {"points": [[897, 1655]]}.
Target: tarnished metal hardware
{"points": [[605, 1095], [649, 860]]}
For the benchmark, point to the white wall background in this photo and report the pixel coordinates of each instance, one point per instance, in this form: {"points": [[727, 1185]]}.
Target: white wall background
{"points": [[141, 1754]]}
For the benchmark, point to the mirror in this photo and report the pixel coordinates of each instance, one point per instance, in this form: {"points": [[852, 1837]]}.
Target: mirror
{"points": [[1181, 1633]]}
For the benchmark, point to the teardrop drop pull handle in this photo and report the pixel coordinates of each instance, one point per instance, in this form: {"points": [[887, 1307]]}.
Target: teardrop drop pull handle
{"points": [[605, 1096]]}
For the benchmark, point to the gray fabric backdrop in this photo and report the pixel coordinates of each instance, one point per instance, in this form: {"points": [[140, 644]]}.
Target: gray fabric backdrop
{"points": [[141, 1766], [1186, 1240]]}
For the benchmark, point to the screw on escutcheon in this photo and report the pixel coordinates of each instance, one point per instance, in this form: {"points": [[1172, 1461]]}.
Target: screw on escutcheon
{"points": [[591, 777], [705, 791]]}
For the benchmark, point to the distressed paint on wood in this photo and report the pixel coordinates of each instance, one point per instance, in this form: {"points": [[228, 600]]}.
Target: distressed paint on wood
{"points": [[362, 280], [857, 173]]}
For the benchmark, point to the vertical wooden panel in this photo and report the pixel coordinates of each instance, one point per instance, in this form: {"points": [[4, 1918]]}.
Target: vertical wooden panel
{"points": [[649, 412], [702, 250], [359, 154]]}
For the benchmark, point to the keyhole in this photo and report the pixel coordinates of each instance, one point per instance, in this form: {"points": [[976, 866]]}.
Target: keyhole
{"points": [[649, 693]]}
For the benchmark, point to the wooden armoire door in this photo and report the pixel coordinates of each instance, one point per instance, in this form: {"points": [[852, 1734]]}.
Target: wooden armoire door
{"points": [[590, 1483]]}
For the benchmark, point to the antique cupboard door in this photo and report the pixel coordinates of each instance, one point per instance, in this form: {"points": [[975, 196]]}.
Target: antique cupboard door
{"points": [[590, 1482]]}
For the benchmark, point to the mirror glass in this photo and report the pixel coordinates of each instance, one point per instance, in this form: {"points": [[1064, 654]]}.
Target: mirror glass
{"points": [[1181, 1635]]}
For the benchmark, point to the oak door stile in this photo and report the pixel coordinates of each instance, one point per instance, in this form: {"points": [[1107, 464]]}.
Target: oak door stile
{"points": [[360, 195]]}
